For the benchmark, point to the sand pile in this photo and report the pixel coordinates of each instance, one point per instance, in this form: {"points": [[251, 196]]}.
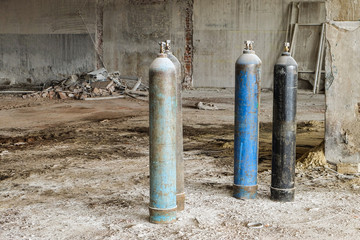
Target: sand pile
{"points": [[313, 158], [228, 145]]}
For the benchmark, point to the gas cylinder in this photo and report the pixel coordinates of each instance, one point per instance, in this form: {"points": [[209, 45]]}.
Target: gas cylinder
{"points": [[162, 134], [247, 99], [284, 128], [180, 190]]}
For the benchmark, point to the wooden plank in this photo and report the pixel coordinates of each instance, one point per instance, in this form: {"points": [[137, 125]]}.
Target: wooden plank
{"points": [[348, 168], [293, 41], [309, 71], [321, 64], [16, 92], [318, 66], [309, 24], [288, 23], [103, 98]]}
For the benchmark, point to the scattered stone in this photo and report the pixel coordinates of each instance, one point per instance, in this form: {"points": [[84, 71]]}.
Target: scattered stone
{"points": [[62, 95], [206, 106], [51, 94], [44, 94], [5, 152], [96, 91]]}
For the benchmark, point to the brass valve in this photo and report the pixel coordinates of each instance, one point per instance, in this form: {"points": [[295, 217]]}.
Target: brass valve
{"points": [[168, 47], [249, 45], [162, 47], [287, 47]]}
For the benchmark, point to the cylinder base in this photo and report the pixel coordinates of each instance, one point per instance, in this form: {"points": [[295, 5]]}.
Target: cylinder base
{"points": [[245, 192], [180, 201], [282, 195], [162, 216]]}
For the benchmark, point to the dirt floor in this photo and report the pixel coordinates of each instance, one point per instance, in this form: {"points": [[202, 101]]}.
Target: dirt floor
{"points": [[80, 170]]}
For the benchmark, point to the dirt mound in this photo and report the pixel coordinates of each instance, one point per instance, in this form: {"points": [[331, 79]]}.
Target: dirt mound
{"points": [[313, 158]]}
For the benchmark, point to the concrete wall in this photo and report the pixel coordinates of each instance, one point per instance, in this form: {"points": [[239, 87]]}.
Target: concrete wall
{"points": [[343, 10], [42, 40], [133, 28], [220, 28], [342, 142], [207, 37], [47, 39]]}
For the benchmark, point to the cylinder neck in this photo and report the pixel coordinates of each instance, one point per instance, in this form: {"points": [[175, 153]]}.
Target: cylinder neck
{"points": [[285, 54], [162, 55], [246, 51]]}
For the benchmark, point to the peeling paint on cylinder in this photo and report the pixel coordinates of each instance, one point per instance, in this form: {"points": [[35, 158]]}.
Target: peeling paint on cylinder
{"points": [[284, 128], [162, 131], [247, 97], [180, 189]]}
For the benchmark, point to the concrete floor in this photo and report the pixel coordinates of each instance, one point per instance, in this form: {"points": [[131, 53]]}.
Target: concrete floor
{"points": [[79, 170]]}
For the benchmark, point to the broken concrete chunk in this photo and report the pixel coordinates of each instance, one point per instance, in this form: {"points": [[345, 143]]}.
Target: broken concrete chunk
{"points": [[62, 95], [102, 84], [77, 90], [111, 89], [44, 94], [206, 106], [58, 89], [51, 94], [72, 80], [96, 91], [98, 75], [82, 96]]}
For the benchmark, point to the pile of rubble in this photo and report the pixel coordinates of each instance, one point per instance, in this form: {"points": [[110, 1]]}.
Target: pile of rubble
{"points": [[94, 84]]}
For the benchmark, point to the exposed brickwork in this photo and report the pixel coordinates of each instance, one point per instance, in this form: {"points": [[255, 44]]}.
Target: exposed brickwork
{"points": [[99, 34], [188, 55]]}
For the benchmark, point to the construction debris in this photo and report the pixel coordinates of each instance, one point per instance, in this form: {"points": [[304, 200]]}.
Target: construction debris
{"points": [[206, 106], [314, 158], [98, 75], [97, 83], [103, 98]]}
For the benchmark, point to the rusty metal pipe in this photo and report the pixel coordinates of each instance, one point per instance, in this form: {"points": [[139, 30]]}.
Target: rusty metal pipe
{"points": [[162, 131], [180, 190], [247, 98], [284, 128]]}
